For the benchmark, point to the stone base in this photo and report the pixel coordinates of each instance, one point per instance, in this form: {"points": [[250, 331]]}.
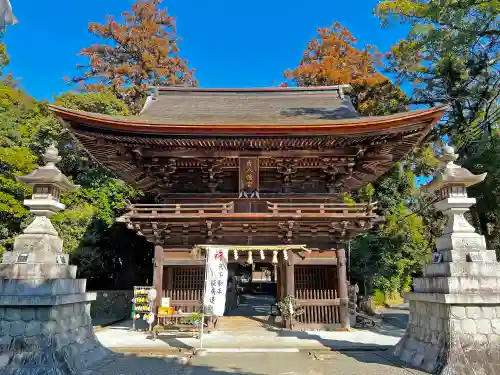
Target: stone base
{"points": [[36, 271], [55, 340], [451, 339]]}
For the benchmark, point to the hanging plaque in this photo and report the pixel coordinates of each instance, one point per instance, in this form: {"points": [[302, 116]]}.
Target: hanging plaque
{"points": [[249, 175]]}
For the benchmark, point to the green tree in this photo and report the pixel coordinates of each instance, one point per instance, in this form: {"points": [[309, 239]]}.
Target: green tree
{"points": [[451, 56], [387, 258], [486, 213], [15, 159], [108, 254]]}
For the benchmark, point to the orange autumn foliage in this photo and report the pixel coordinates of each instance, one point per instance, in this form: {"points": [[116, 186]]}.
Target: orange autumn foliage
{"points": [[331, 58], [140, 51]]}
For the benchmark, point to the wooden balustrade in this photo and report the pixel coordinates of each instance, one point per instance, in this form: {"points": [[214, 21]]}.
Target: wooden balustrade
{"points": [[321, 308], [321, 208], [186, 300], [359, 209], [178, 209]]}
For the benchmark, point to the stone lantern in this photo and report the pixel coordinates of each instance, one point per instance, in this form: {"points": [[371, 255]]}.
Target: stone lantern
{"points": [[40, 243], [450, 186], [45, 324], [454, 323]]}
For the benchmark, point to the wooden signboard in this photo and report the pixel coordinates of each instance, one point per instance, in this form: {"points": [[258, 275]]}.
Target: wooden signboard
{"points": [[249, 174]]}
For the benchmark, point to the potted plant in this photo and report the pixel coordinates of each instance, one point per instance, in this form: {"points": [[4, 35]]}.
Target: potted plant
{"points": [[195, 319], [289, 309]]}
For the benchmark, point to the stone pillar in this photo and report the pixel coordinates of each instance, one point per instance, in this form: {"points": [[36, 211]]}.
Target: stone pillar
{"points": [[45, 325], [342, 287], [454, 323]]}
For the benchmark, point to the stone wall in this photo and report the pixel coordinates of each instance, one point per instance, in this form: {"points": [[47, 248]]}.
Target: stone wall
{"points": [[53, 339], [438, 334], [430, 322], [111, 306]]}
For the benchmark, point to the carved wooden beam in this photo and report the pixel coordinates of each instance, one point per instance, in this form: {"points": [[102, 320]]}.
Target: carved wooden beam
{"points": [[287, 167], [164, 172], [287, 230], [331, 170], [212, 167]]}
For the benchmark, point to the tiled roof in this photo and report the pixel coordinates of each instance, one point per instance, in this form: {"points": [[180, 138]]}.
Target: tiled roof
{"points": [[176, 105]]}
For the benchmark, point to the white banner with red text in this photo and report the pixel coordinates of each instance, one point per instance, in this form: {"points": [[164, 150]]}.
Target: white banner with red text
{"points": [[214, 301]]}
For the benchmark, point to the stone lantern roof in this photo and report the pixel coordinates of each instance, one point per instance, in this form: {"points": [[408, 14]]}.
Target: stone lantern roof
{"points": [[451, 174], [48, 174]]}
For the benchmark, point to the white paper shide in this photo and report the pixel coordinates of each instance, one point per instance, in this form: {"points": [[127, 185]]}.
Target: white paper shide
{"points": [[216, 282]]}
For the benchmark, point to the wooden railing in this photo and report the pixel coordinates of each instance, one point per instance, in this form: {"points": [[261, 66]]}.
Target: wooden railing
{"points": [[177, 209], [321, 308], [321, 208], [186, 300]]}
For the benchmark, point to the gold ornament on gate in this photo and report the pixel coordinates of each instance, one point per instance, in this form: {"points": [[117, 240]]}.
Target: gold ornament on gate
{"points": [[250, 260], [275, 257]]}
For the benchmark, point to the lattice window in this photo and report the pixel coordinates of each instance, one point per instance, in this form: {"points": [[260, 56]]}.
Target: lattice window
{"points": [[188, 278], [315, 277]]}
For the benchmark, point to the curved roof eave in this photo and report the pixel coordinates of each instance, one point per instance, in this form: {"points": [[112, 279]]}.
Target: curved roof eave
{"points": [[355, 126]]}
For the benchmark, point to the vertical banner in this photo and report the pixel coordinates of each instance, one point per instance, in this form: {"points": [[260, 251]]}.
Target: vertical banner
{"points": [[214, 300]]}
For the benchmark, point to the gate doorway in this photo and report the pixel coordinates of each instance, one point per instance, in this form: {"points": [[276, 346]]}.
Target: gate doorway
{"points": [[253, 289]]}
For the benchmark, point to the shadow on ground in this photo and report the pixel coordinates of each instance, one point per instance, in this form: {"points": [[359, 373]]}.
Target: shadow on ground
{"points": [[252, 364], [362, 356], [354, 350]]}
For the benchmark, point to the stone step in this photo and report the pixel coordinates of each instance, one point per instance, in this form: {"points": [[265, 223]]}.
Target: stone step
{"points": [[462, 256], [37, 271], [42, 287], [461, 241], [241, 323], [462, 269], [457, 284]]}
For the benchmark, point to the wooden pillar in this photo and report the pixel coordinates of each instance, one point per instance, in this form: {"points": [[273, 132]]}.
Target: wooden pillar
{"points": [[281, 279], [169, 282], [342, 286], [289, 281], [158, 275]]}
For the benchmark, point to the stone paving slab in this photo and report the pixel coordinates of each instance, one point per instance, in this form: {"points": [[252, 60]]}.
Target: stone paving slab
{"points": [[354, 363], [119, 336]]}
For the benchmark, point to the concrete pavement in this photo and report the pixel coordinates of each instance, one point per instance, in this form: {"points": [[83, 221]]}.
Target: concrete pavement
{"points": [[354, 363], [295, 353], [396, 315], [119, 337]]}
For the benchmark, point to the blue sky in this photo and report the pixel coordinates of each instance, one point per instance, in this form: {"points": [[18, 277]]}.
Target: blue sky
{"points": [[229, 43]]}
